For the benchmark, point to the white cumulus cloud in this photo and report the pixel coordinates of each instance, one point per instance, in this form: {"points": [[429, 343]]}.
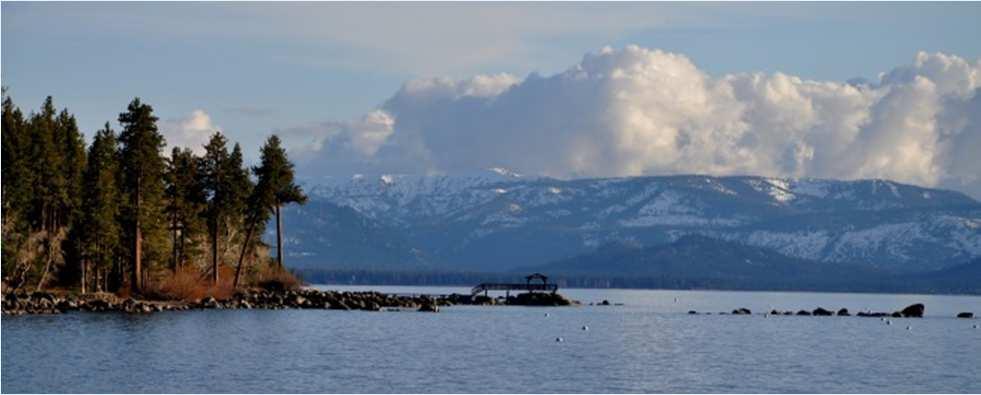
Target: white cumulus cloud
{"points": [[191, 131], [638, 111]]}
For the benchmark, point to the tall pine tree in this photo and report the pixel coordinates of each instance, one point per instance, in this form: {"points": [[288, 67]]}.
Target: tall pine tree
{"points": [[16, 192], [142, 168], [214, 177], [49, 192], [185, 205], [100, 230], [277, 187], [72, 146]]}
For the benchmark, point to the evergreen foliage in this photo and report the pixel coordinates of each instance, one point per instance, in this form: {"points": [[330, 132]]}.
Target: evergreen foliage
{"points": [[99, 229], [185, 204], [119, 215], [276, 186], [142, 168]]}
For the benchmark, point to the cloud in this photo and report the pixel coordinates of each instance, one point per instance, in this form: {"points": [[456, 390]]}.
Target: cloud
{"points": [[191, 131], [638, 111]]}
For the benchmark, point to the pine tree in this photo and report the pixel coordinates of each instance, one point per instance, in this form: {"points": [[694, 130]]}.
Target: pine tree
{"points": [[72, 147], [49, 192], [276, 186], [16, 192], [142, 168], [99, 225], [185, 205], [239, 189], [15, 141], [215, 177]]}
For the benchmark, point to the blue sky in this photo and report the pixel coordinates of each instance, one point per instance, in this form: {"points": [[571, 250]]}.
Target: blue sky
{"points": [[255, 68]]}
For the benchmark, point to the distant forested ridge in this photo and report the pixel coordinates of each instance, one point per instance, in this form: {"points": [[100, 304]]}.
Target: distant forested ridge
{"points": [[123, 215]]}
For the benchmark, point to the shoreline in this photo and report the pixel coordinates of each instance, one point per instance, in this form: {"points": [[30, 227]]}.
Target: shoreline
{"points": [[42, 302]]}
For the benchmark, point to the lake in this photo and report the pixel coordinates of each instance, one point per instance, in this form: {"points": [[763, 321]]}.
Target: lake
{"points": [[649, 344]]}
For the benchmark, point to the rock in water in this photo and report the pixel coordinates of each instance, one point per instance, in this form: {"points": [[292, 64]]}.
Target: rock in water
{"points": [[540, 299], [822, 312], [742, 311], [965, 315], [429, 308], [843, 312], [913, 310]]}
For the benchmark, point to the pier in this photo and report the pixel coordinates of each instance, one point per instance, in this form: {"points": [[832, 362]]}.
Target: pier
{"points": [[544, 286]]}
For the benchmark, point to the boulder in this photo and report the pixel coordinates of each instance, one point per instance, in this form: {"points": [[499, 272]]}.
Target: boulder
{"points": [[742, 311], [803, 312], [692, 312], [913, 310], [540, 299], [965, 315], [429, 308], [822, 312], [604, 303], [209, 303], [843, 312]]}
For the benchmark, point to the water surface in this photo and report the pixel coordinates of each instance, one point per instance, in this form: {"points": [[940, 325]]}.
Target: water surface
{"points": [[649, 344]]}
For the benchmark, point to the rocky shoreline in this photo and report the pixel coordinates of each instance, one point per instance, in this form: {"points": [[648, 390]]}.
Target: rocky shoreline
{"points": [[305, 298], [23, 303]]}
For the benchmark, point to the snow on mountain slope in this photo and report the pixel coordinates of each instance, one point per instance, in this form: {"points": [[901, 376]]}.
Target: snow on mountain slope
{"points": [[488, 220]]}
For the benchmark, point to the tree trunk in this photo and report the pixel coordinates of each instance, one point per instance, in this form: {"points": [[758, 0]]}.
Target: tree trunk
{"points": [[241, 257], [84, 274], [176, 255], [181, 257], [138, 241], [214, 254], [44, 274], [279, 238], [48, 222]]}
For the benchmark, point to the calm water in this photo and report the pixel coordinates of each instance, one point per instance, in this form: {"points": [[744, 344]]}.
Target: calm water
{"points": [[647, 345]]}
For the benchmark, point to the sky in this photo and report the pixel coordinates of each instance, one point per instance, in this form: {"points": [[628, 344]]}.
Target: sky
{"points": [[830, 90]]}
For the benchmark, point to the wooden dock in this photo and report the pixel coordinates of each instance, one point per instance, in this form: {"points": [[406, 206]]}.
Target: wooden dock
{"points": [[508, 287]]}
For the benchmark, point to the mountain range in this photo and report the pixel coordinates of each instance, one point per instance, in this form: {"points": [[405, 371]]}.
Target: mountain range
{"points": [[501, 221]]}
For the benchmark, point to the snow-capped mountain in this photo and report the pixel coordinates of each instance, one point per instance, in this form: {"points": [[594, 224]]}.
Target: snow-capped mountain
{"points": [[501, 220]]}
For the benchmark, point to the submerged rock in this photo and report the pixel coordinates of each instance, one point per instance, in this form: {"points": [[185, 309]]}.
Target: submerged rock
{"points": [[965, 315]]}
